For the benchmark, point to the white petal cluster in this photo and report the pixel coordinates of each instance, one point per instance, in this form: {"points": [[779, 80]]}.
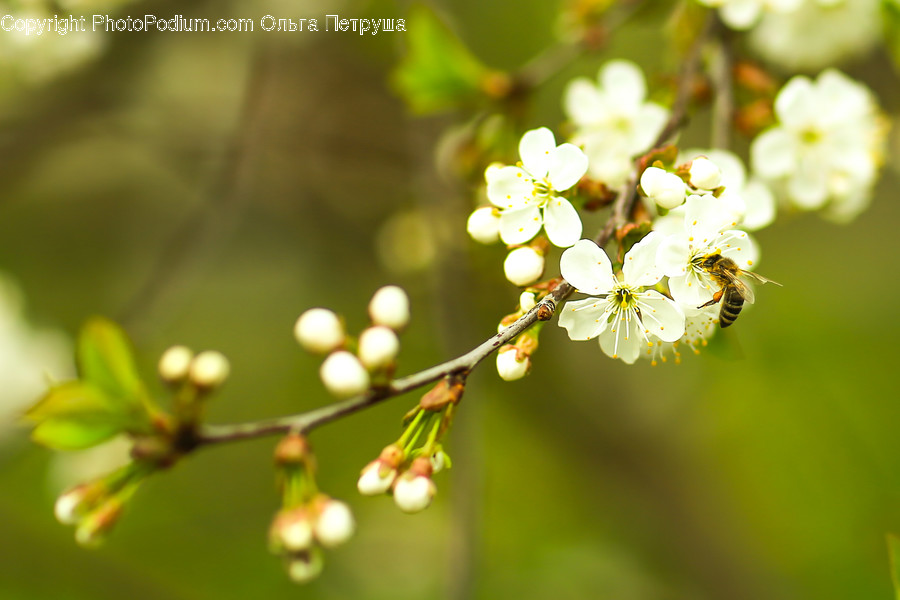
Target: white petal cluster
{"points": [[744, 14], [624, 315], [528, 195], [613, 120], [825, 151], [819, 33]]}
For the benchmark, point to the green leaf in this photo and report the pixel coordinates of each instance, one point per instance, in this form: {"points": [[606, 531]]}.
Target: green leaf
{"points": [[105, 360], [893, 543], [438, 71], [78, 415], [65, 434]]}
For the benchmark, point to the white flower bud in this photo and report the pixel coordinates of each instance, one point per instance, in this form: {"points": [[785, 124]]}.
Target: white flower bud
{"points": [[305, 567], [295, 531], [439, 461], [705, 174], [526, 301], [378, 346], [508, 365], [69, 506], [376, 478], [175, 364], [523, 266], [390, 307], [484, 225], [209, 369], [413, 493], [664, 188], [343, 374], [319, 331], [335, 524]]}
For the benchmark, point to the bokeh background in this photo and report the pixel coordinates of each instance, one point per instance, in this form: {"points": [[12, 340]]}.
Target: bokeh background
{"points": [[205, 189]]}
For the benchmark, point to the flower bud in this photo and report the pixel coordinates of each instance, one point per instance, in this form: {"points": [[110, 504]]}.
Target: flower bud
{"points": [[377, 476], [291, 530], [175, 364], [527, 301], [94, 527], [414, 490], [484, 225], [343, 374], [73, 504], [664, 188], [523, 266], [509, 366], [389, 306], [209, 369], [378, 346], [305, 566], [705, 174], [335, 524], [319, 331]]}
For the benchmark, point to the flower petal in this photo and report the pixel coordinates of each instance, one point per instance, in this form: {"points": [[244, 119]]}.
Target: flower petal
{"points": [[704, 217], [773, 153], [692, 289], [623, 338], [519, 226], [661, 316], [586, 266], [583, 102], [561, 222], [535, 149], [640, 267], [568, 164], [584, 319], [623, 84], [509, 188], [739, 247], [673, 255]]}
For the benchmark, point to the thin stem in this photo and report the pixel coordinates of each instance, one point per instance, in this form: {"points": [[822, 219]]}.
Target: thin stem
{"points": [[462, 365], [720, 70]]}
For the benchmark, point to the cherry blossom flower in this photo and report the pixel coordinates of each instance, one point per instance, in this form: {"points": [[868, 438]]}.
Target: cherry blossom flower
{"points": [[623, 315], [528, 194], [613, 120]]}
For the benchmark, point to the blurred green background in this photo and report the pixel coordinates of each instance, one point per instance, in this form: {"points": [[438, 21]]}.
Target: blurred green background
{"points": [[206, 189]]}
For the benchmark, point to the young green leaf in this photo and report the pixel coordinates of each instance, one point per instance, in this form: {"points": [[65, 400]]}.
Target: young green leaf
{"points": [[105, 360], [438, 71]]}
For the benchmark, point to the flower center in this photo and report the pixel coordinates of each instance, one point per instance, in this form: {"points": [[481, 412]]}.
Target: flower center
{"points": [[542, 188], [623, 298], [811, 136]]}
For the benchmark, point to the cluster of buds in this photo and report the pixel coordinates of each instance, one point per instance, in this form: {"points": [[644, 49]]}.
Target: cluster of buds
{"points": [[668, 189], [96, 506], [308, 520], [346, 373], [404, 469], [192, 378]]}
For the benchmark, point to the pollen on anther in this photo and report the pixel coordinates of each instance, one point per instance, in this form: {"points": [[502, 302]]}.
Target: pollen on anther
{"points": [[694, 223], [739, 249], [749, 262], [691, 239], [521, 229]]}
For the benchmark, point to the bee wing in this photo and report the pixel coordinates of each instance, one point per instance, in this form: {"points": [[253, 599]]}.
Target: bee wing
{"points": [[744, 290], [757, 278]]}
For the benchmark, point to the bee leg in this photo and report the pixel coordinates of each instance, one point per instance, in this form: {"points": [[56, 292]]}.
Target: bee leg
{"points": [[716, 297]]}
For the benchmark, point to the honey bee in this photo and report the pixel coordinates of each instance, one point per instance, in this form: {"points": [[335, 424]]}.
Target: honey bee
{"points": [[733, 292]]}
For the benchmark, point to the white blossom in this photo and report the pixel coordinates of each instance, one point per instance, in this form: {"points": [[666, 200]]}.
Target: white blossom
{"points": [[334, 524], [209, 369], [613, 120], [624, 316], [523, 266], [744, 14], [484, 224], [175, 364], [819, 33], [509, 367], [664, 188], [389, 306], [378, 346], [827, 146], [705, 231], [528, 195], [414, 492], [319, 330], [343, 374], [705, 174]]}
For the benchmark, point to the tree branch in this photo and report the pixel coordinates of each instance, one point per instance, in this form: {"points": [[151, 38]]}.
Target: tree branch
{"points": [[462, 365]]}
